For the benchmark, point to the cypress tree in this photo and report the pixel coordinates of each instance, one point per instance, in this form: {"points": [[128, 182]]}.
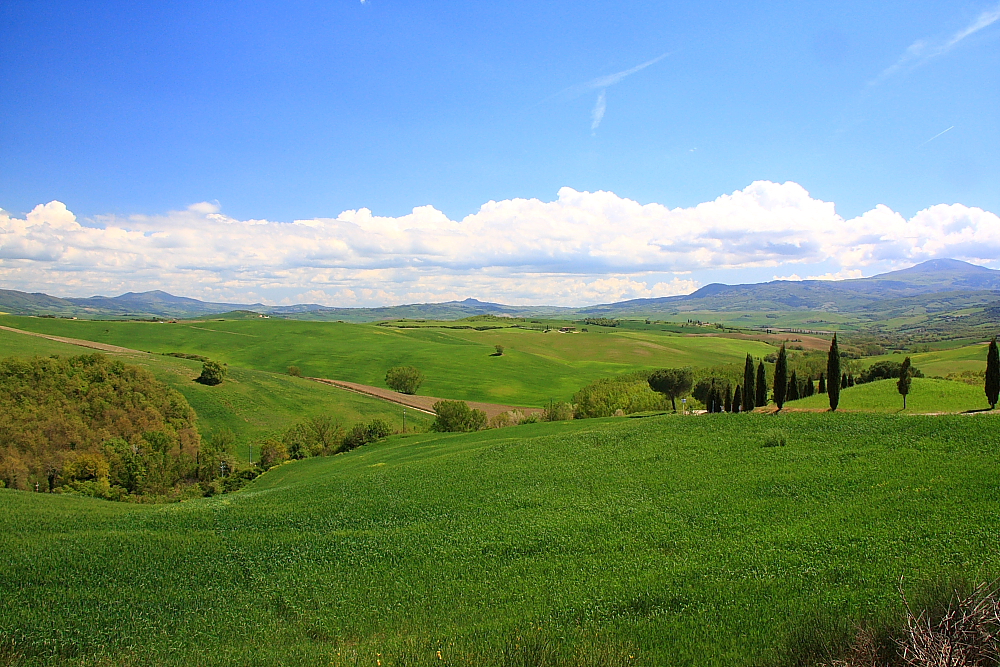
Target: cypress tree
{"points": [[728, 403], [905, 376], [833, 371], [749, 396], [737, 399], [992, 374], [810, 387], [843, 381], [822, 384], [792, 394], [780, 377], [850, 379], [761, 398]]}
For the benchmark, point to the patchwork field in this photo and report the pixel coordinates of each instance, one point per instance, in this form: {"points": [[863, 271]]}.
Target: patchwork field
{"points": [[658, 541], [534, 368]]}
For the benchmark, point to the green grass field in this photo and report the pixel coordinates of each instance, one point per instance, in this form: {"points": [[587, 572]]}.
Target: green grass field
{"points": [[254, 404], [657, 541], [458, 364], [942, 362], [926, 396]]}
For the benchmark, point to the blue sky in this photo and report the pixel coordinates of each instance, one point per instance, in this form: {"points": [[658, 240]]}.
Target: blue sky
{"points": [[130, 114]]}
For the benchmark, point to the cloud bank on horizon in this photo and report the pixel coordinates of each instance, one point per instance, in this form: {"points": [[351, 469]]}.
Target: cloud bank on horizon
{"points": [[581, 248]]}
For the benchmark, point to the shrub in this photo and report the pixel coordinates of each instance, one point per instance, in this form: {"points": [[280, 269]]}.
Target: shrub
{"points": [[499, 350], [456, 416], [362, 434], [404, 379], [775, 438], [294, 371], [212, 373], [501, 420], [558, 412]]}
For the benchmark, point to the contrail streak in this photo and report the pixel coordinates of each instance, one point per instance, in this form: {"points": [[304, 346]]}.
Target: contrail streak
{"points": [[935, 136]]}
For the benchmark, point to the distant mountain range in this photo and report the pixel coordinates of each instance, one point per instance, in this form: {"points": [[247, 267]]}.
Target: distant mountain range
{"points": [[935, 286]]}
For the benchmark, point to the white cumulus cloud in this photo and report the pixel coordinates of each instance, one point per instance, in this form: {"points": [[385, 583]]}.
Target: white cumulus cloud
{"points": [[582, 247]]}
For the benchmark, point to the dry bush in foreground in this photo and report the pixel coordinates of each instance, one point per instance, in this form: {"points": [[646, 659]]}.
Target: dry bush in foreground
{"points": [[964, 635]]}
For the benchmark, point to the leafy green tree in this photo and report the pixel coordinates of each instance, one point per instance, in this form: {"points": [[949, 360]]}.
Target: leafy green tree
{"points": [[672, 383], [781, 377], [272, 452], [833, 371], [456, 416], [499, 350], [294, 371], [212, 373], [905, 377], [992, 374], [761, 385], [404, 379], [749, 397]]}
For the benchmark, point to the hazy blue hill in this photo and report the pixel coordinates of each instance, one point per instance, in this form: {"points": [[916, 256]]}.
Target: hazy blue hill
{"points": [[935, 286], [955, 284]]}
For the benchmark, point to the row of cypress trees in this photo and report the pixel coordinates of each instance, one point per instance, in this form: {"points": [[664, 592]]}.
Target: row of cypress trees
{"points": [[753, 392], [782, 384]]}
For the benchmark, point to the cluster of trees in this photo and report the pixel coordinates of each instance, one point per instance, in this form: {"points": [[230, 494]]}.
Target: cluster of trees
{"points": [[884, 370], [322, 435], [720, 394], [95, 425], [623, 394], [601, 322]]}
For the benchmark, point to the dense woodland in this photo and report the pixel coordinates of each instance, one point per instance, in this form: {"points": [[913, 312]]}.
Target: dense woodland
{"points": [[95, 425]]}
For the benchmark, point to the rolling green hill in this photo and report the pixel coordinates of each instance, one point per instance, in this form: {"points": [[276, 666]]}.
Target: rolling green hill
{"points": [[926, 396], [254, 404], [534, 368], [658, 541]]}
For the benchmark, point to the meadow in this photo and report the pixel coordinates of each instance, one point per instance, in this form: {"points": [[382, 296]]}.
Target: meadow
{"points": [[535, 368], [927, 395], [657, 541]]}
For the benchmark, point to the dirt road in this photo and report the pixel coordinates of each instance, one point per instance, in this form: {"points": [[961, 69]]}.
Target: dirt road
{"points": [[76, 341], [422, 403]]}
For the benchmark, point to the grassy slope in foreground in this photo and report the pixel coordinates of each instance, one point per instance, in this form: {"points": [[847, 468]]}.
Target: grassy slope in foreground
{"points": [[926, 395], [458, 364], [254, 404], [658, 541]]}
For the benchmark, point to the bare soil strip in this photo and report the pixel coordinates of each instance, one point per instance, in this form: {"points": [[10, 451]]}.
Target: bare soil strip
{"points": [[421, 403], [76, 341]]}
